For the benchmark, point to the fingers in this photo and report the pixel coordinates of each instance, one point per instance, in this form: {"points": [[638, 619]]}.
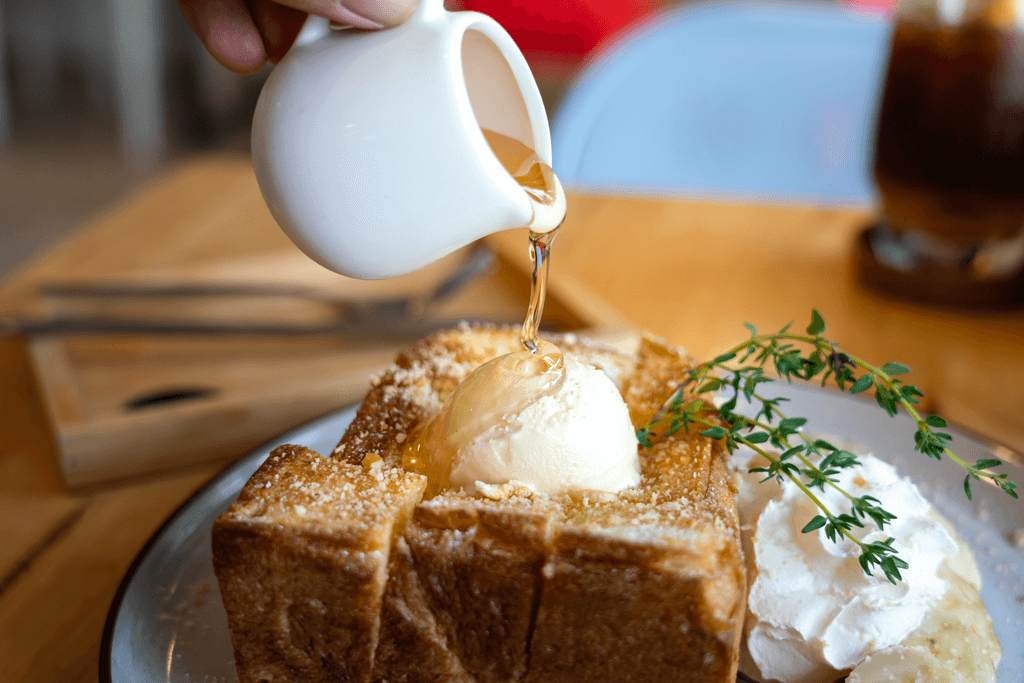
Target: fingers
{"points": [[243, 40], [358, 13], [228, 32], [278, 24]]}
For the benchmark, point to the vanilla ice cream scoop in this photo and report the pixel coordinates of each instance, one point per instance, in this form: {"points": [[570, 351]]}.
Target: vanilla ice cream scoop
{"points": [[554, 425]]}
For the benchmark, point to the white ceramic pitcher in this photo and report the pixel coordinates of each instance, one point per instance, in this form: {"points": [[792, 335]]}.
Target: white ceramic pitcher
{"points": [[367, 144]]}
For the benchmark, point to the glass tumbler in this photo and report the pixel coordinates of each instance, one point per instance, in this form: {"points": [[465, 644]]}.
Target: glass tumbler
{"points": [[949, 156]]}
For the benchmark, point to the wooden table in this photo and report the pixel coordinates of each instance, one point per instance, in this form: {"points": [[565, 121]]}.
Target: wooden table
{"points": [[690, 271]]}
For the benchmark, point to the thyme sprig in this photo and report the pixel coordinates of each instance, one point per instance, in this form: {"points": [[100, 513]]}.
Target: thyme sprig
{"points": [[809, 463]]}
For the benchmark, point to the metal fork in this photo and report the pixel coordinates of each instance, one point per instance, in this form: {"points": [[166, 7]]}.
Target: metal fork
{"points": [[399, 316]]}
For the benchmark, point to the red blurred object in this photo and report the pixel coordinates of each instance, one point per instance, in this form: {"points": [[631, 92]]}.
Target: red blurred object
{"points": [[570, 28], [880, 7]]}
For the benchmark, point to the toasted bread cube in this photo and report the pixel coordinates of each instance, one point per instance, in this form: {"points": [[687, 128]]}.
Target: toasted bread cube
{"points": [[301, 559], [412, 647], [479, 563], [642, 591]]}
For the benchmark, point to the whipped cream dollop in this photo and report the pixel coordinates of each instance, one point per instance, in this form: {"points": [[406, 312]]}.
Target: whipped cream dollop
{"points": [[552, 423], [813, 614]]}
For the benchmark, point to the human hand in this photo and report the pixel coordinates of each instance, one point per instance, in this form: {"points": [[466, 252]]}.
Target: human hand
{"points": [[244, 34]]}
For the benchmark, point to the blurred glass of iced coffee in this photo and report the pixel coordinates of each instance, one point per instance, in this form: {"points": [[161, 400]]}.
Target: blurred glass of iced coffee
{"points": [[949, 157]]}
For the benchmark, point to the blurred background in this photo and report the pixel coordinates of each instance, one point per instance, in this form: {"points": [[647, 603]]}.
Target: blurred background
{"points": [[96, 96]]}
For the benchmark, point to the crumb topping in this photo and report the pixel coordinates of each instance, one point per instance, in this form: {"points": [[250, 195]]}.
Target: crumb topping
{"points": [[362, 485], [355, 504]]}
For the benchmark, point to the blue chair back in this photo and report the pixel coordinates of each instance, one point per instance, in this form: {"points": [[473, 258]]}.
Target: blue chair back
{"points": [[761, 100]]}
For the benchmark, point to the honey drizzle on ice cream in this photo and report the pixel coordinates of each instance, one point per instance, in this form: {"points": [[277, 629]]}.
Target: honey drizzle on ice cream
{"points": [[515, 380]]}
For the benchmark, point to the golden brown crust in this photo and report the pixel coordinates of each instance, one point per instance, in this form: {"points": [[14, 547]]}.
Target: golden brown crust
{"points": [[479, 566], [301, 559], [501, 585], [609, 621], [412, 647]]}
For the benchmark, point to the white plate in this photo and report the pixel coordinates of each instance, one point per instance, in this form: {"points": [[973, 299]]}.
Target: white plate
{"points": [[167, 622]]}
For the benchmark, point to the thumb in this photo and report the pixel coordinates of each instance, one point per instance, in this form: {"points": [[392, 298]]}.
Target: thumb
{"points": [[358, 13]]}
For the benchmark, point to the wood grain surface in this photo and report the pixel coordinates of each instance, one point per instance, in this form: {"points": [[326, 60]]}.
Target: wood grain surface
{"points": [[689, 271]]}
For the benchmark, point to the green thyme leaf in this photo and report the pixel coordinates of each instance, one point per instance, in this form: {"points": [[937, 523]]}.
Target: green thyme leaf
{"points": [[815, 523], [895, 369], [862, 384], [817, 325], [714, 432], [711, 385]]}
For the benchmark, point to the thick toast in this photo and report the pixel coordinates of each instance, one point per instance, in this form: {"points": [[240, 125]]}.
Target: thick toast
{"points": [[496, 584], [301, 559]]}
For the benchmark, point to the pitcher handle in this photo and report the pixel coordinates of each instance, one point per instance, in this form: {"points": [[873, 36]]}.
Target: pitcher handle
{"points": [[428, 10]]}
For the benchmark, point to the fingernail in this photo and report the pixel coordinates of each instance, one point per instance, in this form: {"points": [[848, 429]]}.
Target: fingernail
{"points": [[388, 12], [343, 15]]}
